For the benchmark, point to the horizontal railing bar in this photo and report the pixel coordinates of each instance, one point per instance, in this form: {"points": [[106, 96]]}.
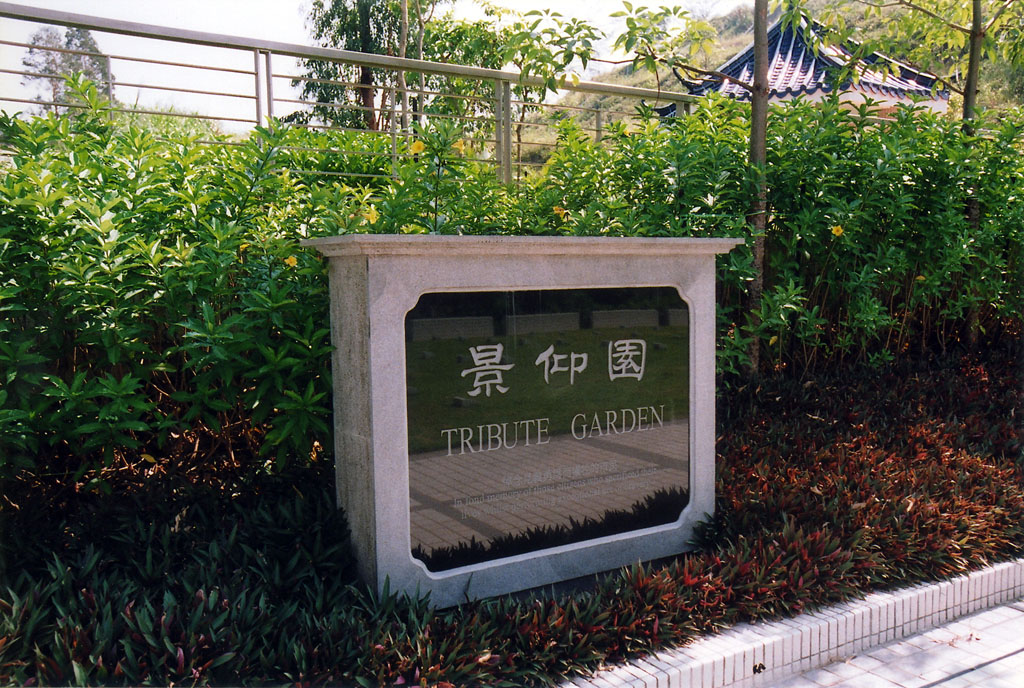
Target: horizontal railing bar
{"points": [[385, 87], [48, 103], [332, 127], [187, 65], [552, 106], [166, 113], [47, 16], [415, 91], [34, 75], [334, 82], [526, 123], [442, 94], [545, 125], [207, 142], [129, 58], [461, 118], [363, 108], [342, 151], [50, 48], [340, 174], [340, 106], [178, 89], [370, 154], [343, 106]]}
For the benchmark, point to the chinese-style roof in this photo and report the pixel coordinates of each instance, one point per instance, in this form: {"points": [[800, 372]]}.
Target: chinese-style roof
{"points": [[794, 69]]}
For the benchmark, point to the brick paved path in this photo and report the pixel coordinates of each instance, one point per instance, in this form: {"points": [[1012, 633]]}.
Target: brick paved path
{"points": [[984, 650]]}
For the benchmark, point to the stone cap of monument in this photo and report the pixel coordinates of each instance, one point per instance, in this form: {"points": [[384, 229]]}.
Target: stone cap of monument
{"points": [[463, 245]]}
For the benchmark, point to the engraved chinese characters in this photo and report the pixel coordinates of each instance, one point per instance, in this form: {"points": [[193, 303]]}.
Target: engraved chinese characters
{"points": [[540, 418], [487, 369]]}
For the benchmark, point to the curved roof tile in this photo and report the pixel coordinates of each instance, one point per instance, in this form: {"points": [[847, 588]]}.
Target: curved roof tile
{"points": [[794, 69]]}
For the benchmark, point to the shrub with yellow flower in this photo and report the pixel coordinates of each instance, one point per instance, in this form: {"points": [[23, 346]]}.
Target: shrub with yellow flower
{"points": [[560, 212], [837, 230], [417, 147], [370, 214], [291, 261], [460, 146]]}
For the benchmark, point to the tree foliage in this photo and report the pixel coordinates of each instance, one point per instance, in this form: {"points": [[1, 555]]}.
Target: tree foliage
{"points": [[346, 94], [53, 56], [949, 38], [361, 97]]}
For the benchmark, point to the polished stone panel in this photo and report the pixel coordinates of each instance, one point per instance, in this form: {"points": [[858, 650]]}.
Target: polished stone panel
{"points": [[534, 436]]}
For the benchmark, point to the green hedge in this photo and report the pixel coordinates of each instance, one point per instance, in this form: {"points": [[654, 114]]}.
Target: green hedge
{"points": [[155, 300]]}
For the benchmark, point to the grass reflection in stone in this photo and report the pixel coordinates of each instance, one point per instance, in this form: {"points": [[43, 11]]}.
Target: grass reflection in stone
{"points": [[659, 508]]}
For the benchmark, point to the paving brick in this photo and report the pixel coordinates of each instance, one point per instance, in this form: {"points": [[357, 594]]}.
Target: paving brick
{"points": [[865, 662], [706, 674], [807, 642], [867, 681], [822, 677], [729, 669], [892, 673]]}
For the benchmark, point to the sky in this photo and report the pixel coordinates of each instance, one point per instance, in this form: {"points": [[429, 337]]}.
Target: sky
{"points": [[277, 20]]}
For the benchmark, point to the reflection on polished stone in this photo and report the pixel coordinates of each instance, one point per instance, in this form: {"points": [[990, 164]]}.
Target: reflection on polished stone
{"points": [[544, 418]]}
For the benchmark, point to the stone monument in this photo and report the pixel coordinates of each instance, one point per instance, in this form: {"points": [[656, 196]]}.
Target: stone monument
{"points": [[516, 411]]}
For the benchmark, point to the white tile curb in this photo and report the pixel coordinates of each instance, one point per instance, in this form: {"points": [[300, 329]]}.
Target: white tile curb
{"points": [[759, 654]]}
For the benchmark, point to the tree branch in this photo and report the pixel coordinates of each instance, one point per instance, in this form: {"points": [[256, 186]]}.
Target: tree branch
{"points": [[688, 68], [718, 75], [991, 22], [922, 10]]}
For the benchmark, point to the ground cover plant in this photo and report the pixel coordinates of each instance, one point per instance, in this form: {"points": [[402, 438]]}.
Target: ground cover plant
{"points": [[829, 487], [166, 510]]}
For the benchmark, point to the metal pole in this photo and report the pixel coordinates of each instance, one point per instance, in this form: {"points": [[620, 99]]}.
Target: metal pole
{"points": [[110, 86], [270, 85], [506, 135], [404, 86], [259, 93], [499, 108], [394, 135]]}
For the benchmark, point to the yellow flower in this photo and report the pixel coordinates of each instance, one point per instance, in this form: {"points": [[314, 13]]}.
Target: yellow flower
{"points": [[241, 249], [837, 230], [292, 261], [417, 147], [370, 214], [920, 278], [560, 212], [460, 146]]}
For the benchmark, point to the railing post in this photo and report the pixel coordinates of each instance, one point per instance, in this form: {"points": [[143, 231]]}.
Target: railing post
{"points": [[499, 153], [599, 123], [403, 87], [110, 85], [503, 129], [270, 85], [259, 92], [394, 134]]}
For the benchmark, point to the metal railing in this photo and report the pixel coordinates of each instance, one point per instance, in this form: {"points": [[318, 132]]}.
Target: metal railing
{"points": [[365, 106]]}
